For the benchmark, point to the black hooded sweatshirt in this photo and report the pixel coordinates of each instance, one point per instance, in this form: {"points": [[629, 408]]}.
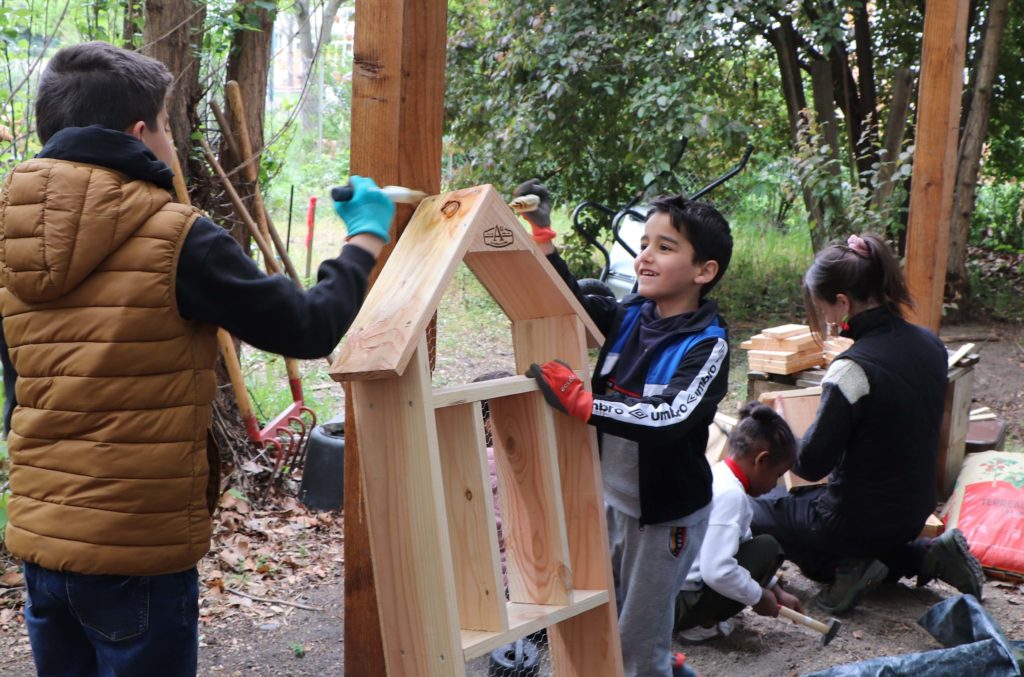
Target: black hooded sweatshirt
{"points": [[217, 282]]}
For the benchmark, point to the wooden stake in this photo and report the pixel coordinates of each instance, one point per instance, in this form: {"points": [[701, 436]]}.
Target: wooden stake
{"points": [[397, 123], [253, 175], [931, 191], [224, 340]]}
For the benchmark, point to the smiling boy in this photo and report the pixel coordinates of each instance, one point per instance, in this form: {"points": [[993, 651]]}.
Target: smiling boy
{"points": [[658, 381]]}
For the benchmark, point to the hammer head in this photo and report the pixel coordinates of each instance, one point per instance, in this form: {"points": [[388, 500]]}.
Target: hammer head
{"points": [[833, 629]]}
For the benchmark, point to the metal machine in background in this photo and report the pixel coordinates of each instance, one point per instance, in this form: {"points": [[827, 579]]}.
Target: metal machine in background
{"points": [[626, 226]]}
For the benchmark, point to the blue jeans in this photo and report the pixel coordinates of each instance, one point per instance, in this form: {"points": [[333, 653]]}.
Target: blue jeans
{"points": [[112, 626]]}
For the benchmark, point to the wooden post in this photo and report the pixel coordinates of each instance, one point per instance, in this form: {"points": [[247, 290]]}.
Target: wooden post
{"points": [[397, 123], [931, 190]]}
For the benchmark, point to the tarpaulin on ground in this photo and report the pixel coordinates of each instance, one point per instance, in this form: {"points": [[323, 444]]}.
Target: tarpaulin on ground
{"points": [[975, 645]]}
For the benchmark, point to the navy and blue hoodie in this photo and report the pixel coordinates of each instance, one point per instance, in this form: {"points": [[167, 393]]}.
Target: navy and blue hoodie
{"points": [[657, 385]]}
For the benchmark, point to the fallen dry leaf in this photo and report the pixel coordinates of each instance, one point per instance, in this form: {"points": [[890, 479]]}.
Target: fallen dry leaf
{"points": [[12, 579]]}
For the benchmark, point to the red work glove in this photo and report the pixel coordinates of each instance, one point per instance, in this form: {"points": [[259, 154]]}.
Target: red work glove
{"points": [[563, 389], [540, 218]]}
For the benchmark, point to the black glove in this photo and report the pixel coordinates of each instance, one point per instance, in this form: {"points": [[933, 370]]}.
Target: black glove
{"points": [[539, 218]]}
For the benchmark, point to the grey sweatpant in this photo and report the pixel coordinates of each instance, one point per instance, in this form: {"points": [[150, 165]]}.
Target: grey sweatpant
{"points": [[649, 571]]}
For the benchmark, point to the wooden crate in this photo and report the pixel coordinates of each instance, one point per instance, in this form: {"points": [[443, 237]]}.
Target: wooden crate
{"points": [[953, 434], [799, 409]]}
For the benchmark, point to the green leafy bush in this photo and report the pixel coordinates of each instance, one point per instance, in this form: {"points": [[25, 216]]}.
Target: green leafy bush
{"points": [[999, 216]]}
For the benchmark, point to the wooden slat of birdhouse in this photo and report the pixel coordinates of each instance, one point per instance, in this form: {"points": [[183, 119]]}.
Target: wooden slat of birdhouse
{"points": [[472, 528], [406, 516], [483, 390], [526, 619], [507, 262], [587, 644], [403, 299], [536, 544]]}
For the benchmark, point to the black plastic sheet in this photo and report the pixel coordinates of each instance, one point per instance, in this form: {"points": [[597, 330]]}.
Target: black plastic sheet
{"points": [[975, 646]]}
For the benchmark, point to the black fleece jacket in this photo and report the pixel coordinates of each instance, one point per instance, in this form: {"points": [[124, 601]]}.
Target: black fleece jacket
{"points": [[667, 421], [217, 282], [880, 449]]}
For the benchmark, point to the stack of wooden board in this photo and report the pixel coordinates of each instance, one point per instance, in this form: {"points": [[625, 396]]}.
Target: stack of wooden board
{"points": [[783, 350], [835, 346]]}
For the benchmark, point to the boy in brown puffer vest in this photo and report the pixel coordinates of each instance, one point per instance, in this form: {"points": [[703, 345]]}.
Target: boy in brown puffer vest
{"points": [[111, 296]]}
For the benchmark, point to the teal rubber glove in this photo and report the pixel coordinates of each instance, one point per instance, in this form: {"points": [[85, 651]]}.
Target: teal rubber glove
{"points": [[369, 211]]}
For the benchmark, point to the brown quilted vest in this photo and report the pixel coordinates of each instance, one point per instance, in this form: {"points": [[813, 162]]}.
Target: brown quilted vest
{"points": [[108, 444]]}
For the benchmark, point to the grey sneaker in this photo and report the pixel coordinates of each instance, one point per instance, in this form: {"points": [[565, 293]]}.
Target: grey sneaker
{"points": [[853, 579], [949, 559]]}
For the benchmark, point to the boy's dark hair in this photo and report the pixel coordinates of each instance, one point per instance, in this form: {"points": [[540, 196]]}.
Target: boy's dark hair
{"points": [[705, 228], [96, 83], [760, 428], [838, 269]]}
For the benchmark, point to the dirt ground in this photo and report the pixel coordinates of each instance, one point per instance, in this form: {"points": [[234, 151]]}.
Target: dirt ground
{"points": [[286, 558]]}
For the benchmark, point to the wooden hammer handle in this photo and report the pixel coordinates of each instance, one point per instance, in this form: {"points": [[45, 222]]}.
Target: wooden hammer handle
{"points": [[803, 620]]}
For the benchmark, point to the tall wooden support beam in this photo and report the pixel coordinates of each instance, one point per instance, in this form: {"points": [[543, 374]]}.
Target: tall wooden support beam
{"points": [[397, 124], [931, 191]]}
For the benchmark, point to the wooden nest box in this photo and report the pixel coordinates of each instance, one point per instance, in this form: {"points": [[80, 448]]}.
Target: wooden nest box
{"points": [[424, 462]]}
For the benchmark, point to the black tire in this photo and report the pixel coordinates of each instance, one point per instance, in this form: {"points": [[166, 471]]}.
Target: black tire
{"points": [[595, 287]]}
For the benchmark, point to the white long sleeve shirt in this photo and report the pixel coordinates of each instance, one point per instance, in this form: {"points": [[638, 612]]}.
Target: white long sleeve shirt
{"points": [[728, 526]]}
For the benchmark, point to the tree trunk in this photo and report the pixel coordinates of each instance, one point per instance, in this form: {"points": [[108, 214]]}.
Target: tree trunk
{"points": [[249, 66], [969, 157], [133, 11], [824, 112], [310, 50], [173, 34], [895, 130], [307, 114], [783, 39]]}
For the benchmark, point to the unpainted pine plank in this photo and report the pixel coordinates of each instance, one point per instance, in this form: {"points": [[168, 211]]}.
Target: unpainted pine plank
{"points": [[933, 527], [533, 520], [526, 619], [483, 390], [785, 331], [799, 411], [769, 397], [406, 294], [953, 433], [718, 442], [472, 530], [507, 262], [407, 524], [397, 127], [940, 89], [588, 644]]}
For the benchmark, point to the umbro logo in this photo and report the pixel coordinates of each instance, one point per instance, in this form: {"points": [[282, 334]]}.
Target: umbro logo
{"points": [[636, 413]]}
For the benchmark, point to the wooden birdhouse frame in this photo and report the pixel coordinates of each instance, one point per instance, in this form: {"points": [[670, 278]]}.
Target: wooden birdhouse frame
{"points": [[424, 467]]}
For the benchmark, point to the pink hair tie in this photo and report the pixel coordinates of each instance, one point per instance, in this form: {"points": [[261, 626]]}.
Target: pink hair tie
{"points": [[858, 245]]}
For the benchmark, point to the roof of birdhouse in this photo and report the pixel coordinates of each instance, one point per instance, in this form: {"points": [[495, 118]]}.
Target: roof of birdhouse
{"points": [[473, 225]]}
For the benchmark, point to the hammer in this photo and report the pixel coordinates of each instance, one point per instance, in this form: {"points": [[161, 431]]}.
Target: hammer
{"points": [[828, 632], [395, 193]]}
